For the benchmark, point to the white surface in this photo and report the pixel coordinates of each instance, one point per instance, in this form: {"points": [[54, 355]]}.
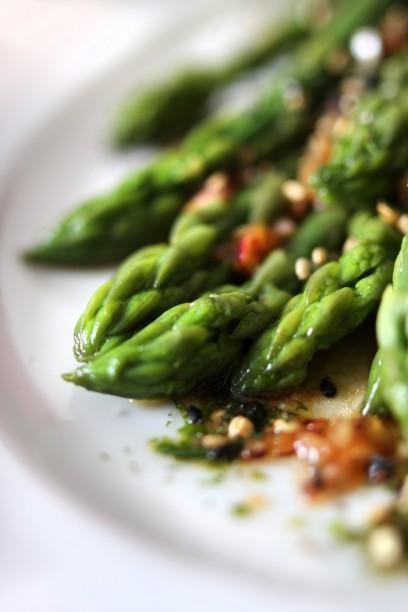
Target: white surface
{"points": [[79, 532]]}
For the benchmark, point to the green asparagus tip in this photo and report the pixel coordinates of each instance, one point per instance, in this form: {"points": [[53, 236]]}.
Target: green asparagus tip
{"points": [[69, 377], [34, 255], [44, 254]]}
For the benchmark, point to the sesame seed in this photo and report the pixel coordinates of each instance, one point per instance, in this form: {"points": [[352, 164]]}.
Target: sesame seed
{"points": [[217, 416], [294, 191], [285, 227], [387, 213], [303, 268], [379, 514], [349, 244], [282, 426], [402, 224], [240, 427], [319, 256], [213, 441], [385, 547]]}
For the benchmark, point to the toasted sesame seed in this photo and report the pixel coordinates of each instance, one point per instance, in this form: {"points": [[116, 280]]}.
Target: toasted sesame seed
{"points": [[379, 514], [294, 191], [402, 224], [240, 427], [341, 126], [285, 227], [217, 416], [385, 547], [213, 441], [282, 426], [387, 213], [349, 244], [303, 268], [319, 256]]}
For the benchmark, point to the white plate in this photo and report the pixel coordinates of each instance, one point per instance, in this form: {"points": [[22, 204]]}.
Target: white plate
{"points": [[94, 447]]}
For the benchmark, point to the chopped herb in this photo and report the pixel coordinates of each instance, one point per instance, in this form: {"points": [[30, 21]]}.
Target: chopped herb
{"points": [[241, 510], [342, 532], [214, 479], [258, 475]]}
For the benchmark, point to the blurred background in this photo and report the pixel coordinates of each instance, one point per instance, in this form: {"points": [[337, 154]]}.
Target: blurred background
{"points": [[49, 49]]}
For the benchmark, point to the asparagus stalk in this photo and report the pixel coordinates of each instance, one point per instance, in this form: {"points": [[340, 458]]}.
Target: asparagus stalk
{"points": [[336, 299], [388, 361], [141, 210], [166, 111], [392, 338], [190, 343], [366, 226], [374, 149], [320, 228], [157, 278]]}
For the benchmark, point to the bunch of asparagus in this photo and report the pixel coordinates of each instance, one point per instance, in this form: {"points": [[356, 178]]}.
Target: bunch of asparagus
{"points": [[179, 315], [142, 209]]}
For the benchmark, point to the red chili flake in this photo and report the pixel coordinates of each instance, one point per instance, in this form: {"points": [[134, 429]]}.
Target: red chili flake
{"points": [[253, 243], [338, 454]]}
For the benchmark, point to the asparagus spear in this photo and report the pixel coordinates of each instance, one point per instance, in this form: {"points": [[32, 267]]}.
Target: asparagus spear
{"points": [[374, 147], [141, 210], [336, 299], [377, 398], [157, 278], [320, 228], [166, 111], [366, 226], [146, 286], [190, 343], [374, 403]]}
